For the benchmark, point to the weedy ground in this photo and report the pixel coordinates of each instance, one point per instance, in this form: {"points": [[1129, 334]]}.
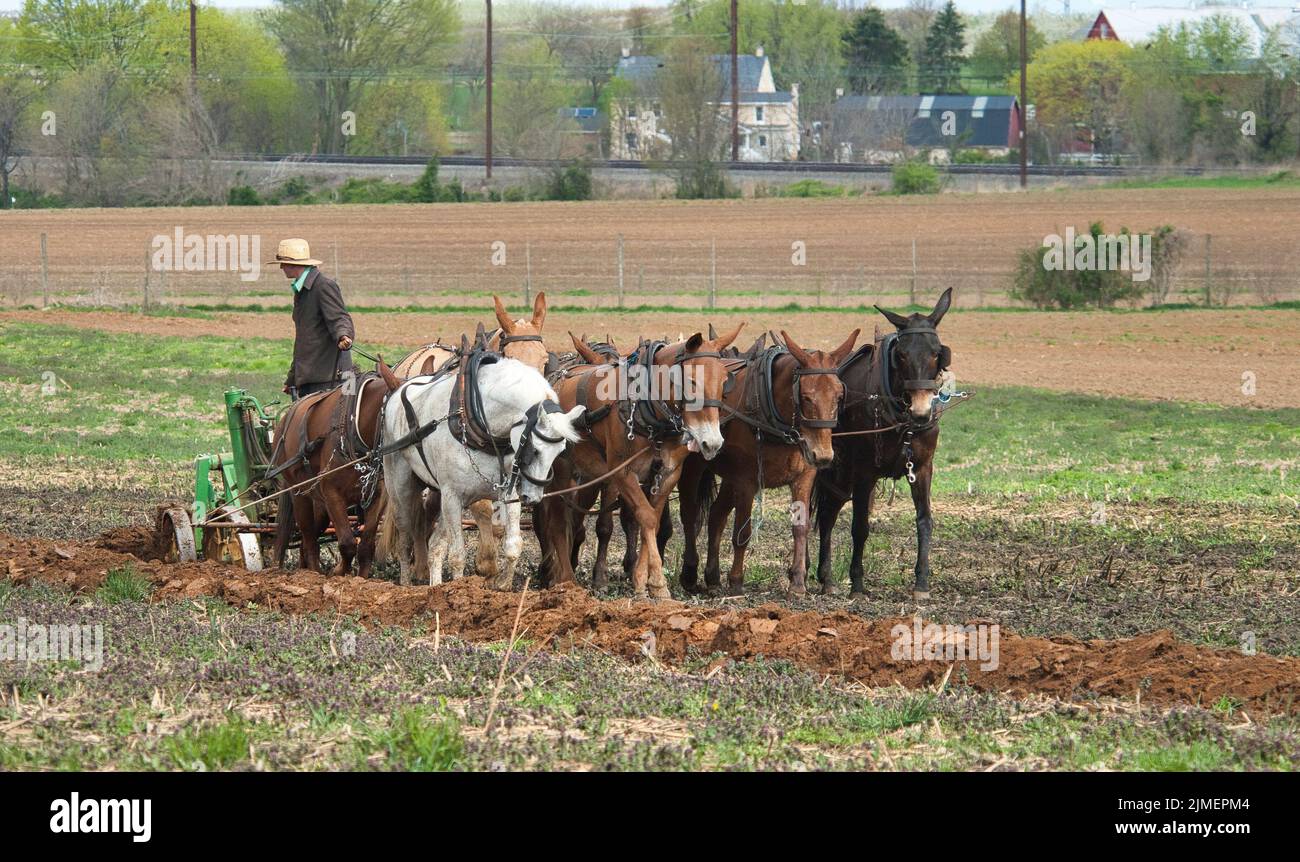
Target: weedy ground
{"points": [[197, 685]]}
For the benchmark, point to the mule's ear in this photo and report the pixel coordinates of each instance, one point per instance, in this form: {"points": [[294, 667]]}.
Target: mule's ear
{"points": [[568, 431], [941, 307], [588, 355], [725, 341], [539, 310], [842, 352], [503, 317], [390, 379], [801, 356], [897, 319], [713, 333], [694, 343], [480, 337]]}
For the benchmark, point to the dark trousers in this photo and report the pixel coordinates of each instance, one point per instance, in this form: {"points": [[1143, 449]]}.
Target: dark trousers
{"points": [[310, 389]]}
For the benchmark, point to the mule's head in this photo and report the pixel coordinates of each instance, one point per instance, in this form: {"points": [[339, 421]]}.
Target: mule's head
{"points": [[818, 392], [522, 337], [918, 356], [538, 440], [703, 376]]}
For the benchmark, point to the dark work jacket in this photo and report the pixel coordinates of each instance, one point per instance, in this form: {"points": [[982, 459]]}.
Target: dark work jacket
{"points": [[319, 320]]}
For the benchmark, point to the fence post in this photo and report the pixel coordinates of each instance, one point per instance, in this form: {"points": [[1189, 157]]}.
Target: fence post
{"points": [[912, 291], [335, 247], [713, 273], [45, 275], [620, 270], [1208, 283], [528, 272], [147, 257]]}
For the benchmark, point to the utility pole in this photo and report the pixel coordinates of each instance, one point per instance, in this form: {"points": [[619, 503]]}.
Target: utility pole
{"points": [[735, 82], [194, 40], [488, 125], [1024, 129]]}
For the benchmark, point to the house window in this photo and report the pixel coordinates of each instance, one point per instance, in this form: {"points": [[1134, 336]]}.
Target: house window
{"points": [[758, 114], [631, 141], [658, 110], [631, 112], [762, 140]]}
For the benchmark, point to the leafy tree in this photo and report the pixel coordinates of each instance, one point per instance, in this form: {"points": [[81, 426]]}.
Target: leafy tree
{"points": [[996, 54], [527, 98], [874, 53], [339, 48], [940, 66], [18, 90], [1076, 88]]}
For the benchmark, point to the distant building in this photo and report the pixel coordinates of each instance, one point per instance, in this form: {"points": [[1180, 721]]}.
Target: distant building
{"points": [[881, 129], [768, 117], [1135, 26], [582, 137]]}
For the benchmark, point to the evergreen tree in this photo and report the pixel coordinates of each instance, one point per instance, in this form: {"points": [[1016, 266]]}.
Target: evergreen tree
{"points": [[874, 53], [940, 67]]}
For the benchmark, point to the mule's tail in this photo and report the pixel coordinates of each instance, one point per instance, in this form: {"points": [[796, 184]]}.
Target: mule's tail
{"points": [[284, 524]]}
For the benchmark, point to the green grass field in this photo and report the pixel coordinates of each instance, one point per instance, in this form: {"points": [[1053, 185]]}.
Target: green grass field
{"points": [[158, 399]]}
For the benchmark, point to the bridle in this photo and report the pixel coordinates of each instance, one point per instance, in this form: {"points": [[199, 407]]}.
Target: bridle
{"points": [[897, 405], [660, 418], [528, 450]]}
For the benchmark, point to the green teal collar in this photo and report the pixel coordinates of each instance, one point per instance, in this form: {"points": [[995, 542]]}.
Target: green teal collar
{"points": [[302, 279]]}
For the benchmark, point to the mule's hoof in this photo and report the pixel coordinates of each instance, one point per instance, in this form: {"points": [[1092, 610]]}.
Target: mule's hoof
{"points": [[918, 596], [797, 590], [735, 591], [857, 593], [828, 589]]}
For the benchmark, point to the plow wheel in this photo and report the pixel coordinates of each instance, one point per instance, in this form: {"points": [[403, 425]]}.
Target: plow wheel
{"points": [[231, 544], [176, 535]]}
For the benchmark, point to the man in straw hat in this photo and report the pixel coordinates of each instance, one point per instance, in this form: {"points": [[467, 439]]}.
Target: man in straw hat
{"points": [[323, 330]]}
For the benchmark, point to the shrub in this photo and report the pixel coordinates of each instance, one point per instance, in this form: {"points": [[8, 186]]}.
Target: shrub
{"points": [[915, 178], [570, 183], [812, 189], [1074, 288], [427, 189], [243, 196], [702, 181], [373, 191], [124, 584]]}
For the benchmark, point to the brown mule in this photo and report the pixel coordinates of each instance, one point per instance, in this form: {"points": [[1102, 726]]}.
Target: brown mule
{"points": [[515, 339], [653, 430], [778, 435], [320, 432]]}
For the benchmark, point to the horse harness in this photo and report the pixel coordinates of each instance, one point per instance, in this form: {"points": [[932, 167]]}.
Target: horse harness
{"points": [[889, 408]]}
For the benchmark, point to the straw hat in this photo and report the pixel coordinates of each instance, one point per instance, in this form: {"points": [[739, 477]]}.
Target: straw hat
{"points": [[295, 252]]}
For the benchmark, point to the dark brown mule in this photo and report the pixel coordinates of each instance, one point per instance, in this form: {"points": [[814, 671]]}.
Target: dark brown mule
{"points": [[643, 431], [317, 433], [891, 383], [783, 406]]}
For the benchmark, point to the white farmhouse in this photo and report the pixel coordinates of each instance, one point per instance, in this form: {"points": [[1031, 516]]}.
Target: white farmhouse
{"points": [[769, 118]]}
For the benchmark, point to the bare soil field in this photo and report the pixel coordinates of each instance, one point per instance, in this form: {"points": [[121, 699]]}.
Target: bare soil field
{"points": [[1155, 667], [857, 249], [1184, 355]]}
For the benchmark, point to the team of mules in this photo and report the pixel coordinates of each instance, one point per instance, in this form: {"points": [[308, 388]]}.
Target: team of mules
{"points": [[499, 423]]}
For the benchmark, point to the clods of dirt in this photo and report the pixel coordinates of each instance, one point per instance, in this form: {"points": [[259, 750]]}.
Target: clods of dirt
{"points": [[1156, 667]]}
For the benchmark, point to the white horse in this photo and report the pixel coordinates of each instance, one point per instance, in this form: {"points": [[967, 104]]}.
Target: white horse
{"points": [[518, 402]]}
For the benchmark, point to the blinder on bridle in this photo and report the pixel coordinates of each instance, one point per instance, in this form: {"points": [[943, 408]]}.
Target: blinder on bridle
{"points": [[527, 449], [809, 421], [945, 356]]}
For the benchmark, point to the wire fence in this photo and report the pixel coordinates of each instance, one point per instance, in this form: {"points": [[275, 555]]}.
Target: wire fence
{"points": [[707, 272]]}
